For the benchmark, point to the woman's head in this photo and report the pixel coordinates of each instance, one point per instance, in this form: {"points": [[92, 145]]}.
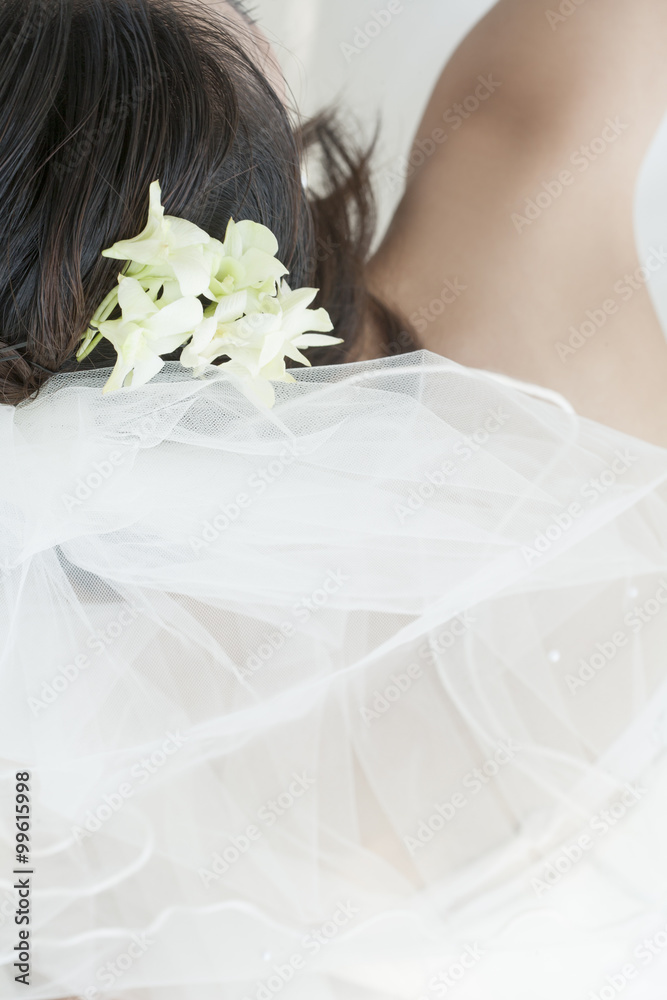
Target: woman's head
{"points": [[98, 98]]}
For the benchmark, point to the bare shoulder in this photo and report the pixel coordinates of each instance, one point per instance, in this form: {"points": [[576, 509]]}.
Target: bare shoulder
{"points": [[516, 233]]}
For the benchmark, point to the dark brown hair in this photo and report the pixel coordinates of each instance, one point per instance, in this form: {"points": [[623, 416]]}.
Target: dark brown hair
{"points": [[98, 98]]}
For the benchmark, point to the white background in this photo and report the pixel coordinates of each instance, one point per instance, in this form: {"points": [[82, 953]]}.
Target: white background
{"points": [[393, 77]]}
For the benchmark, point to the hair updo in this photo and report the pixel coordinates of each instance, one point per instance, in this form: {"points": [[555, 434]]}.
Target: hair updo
{"points": [[98, 98]]}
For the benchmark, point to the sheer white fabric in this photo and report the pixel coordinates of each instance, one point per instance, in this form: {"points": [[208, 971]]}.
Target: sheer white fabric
{"points": [[363, 697]]}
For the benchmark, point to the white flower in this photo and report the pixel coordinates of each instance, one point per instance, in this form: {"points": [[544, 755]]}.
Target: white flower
{"points": [[253, 320], [168, 248], [246, 261], [298, 327], [258, 343], [146, 331]]}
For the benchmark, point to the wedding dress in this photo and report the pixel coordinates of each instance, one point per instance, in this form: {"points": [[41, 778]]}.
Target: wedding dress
{"points": [[362, 697]]}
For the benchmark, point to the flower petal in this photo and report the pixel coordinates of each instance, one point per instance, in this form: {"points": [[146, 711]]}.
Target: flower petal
{"points": [[182, 316], [146, 367], [299, 299], [263, 300], [193, 354], [244, 356], [296, 355], [257, 236], [128, 343], [183, 233], [155, 209], [135, 303], [231, 307], [233, 241], [192, 270], [275, 370], [258, 390], [260, 267], [296, 323], [315, 340], [117, 377], [171, 290], [144, 249], [274, 345]]}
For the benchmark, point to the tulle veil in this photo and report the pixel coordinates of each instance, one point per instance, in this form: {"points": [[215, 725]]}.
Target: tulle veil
{"points": [[360, 697]]}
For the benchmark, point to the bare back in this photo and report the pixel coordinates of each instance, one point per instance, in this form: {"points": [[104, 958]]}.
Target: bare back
{"points": [[513, 248]]}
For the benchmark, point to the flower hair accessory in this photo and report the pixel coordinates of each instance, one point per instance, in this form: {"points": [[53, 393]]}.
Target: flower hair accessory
{"points": [[182, 288]]}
